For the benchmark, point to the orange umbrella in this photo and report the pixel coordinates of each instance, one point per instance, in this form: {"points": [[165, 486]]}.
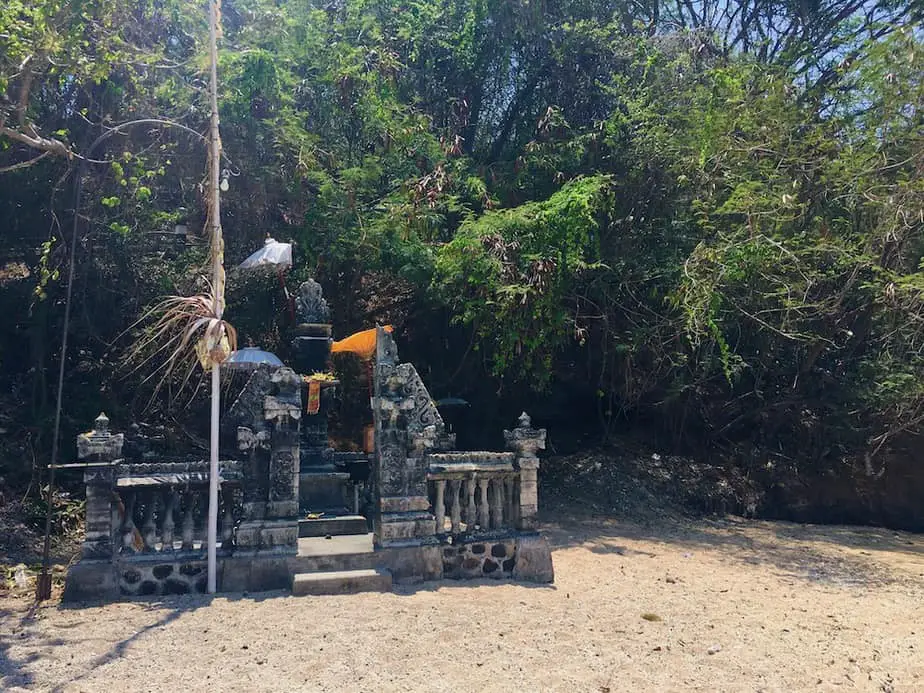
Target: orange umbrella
{"points": [[362, 343]]}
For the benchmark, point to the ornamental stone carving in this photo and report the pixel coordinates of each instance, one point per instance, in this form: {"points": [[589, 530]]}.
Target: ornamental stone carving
{"points": [[99, 445], [310, 306], [524, 439]]}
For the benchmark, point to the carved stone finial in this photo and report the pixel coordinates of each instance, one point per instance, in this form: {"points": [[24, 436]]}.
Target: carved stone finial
{"points": [[286, 382], [310, 304], [99, 444], [101, 423], [524, 439]]}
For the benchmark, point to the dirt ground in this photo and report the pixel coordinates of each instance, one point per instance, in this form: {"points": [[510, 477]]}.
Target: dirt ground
{"points": [[678, 605]]}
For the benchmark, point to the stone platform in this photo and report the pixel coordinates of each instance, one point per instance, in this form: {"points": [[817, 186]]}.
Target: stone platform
{"points": [[334, 525], [341, 582]]}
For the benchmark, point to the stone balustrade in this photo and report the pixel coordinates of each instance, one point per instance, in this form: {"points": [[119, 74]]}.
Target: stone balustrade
{"points": [[481, 492], [163, 507], [473, 492]]}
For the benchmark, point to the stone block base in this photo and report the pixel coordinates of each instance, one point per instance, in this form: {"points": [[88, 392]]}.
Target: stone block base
{"points": [[91, 580], [522, 556], [402, 527], [533, 560], [403, 504], [267, 534], [411, 564]]}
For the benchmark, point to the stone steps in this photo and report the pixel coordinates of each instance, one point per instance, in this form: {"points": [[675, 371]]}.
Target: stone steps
{"points": [[343, 564], [333, 526], [347, 552], [341, 582]]}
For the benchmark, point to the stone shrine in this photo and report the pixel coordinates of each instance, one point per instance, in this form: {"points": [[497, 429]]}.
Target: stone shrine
{"points": [[289, 506]]}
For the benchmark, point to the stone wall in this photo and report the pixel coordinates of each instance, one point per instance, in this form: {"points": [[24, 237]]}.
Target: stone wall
{"points": [[489, 559], [139, 579], [522, 556]]}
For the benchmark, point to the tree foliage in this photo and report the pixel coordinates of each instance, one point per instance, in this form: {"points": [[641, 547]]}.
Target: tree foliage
{"points": [[702, 215]]}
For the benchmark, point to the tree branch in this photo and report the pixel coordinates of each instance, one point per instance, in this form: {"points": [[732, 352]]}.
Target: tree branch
{"points": [[52, 146], [23, 164], [45, 144]]}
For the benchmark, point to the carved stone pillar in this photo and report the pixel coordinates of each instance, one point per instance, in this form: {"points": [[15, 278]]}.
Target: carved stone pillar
{"points": [[402, 504], [94, 575], [525, 440], [103, 449], [253, 443], [270, 479], [283, 411]]}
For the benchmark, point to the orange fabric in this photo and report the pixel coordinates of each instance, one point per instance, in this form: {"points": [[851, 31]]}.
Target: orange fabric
{"points": [[314, 397], [362, 344]]}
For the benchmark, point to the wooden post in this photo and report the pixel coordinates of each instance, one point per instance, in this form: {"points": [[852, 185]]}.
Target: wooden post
{"points": [[218, 281]]}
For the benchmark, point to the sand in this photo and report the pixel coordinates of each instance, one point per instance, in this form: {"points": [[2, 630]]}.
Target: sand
{"points": [[681, 605]]}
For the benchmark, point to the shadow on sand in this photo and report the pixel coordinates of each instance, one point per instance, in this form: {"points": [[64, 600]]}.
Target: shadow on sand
{"points": [[838, 555], [20, 623]]}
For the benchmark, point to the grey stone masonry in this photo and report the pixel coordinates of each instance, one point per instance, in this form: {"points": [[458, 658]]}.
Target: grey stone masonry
{"points": [[270, 521], [100, 445], [103, 449], [525, 441], [406, 426], [283, 410]]}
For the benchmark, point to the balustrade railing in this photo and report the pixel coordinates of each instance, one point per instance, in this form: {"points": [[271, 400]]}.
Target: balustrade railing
{"points": [[164, 507], [473, 492]]}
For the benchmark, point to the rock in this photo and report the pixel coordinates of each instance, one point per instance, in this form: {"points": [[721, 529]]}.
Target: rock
{"points": [[20, 578], [533, 560]]}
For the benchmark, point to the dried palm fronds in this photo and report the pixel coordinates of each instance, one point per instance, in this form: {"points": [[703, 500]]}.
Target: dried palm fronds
{"points": [[179, 333]]}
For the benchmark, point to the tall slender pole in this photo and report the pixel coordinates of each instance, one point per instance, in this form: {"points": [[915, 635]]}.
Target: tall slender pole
{"points": [[43, 584], [218, 282]]}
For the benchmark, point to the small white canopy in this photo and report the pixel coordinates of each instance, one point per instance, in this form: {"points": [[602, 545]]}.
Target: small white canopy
{"points": [[273, 253], [250, 358]]}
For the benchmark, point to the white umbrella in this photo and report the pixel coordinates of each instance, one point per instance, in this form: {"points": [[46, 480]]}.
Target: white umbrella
{"points": [[278, 255], [273, 253]]}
